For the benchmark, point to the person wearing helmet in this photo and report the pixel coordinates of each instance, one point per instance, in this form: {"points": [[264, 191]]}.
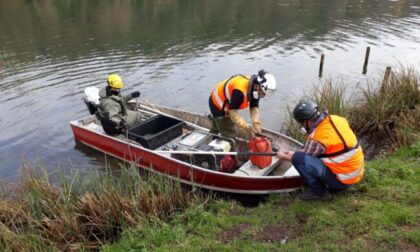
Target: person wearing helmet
{"points": [[331, 159], [112, 110], [236, 93]]}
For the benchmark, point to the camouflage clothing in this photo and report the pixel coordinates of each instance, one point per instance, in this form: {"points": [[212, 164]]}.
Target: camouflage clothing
{"points": [[113, 110]]}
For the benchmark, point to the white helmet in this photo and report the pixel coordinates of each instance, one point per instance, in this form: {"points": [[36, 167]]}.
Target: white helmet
{"points": [[267, 82]]}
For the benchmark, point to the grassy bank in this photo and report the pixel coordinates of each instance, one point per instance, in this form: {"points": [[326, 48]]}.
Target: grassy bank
{"points": [[141, 213], [83, 213], [147, 212], [381, 214]]}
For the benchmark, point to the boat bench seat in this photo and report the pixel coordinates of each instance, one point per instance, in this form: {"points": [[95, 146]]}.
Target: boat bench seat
{"points": [[249, 169], [95, 127]]}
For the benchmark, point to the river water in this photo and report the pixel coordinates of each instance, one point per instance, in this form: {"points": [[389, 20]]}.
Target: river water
{"points": [[175, 52]]}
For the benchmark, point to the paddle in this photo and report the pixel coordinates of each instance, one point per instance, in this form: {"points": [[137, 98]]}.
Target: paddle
{"points": [[245, 153]]}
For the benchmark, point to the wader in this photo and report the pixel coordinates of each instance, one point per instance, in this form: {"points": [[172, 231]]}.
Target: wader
{"points": [[224, 126]]}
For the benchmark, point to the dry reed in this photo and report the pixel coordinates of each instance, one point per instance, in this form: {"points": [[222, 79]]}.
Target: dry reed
{"points": [[83, 214], [385, 117]]}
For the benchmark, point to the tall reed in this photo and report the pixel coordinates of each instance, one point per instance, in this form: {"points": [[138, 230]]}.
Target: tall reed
{"points": [[385, 116], [327, 96], [83, 213], [390, 111]]}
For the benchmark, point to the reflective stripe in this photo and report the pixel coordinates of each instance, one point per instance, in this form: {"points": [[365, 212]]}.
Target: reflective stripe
{"points": [[218, 100], [341, 158], [227, 94], [351, 175]]}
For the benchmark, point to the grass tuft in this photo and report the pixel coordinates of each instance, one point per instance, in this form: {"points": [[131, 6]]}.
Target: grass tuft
{"points": [[376, 215], [384, 116], [390, 111], [83, 214]]}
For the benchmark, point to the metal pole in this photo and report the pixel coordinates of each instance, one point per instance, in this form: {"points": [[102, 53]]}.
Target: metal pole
{"points": [[246, 153]]}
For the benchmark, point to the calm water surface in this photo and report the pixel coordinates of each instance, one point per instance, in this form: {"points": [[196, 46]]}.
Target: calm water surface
{"points": [[175, 52]]}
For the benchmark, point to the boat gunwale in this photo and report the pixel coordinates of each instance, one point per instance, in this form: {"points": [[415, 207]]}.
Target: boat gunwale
{"points": [[145, 103]]}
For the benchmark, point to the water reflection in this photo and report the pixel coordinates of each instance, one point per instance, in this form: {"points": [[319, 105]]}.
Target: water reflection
{"points": [[166, 28], [175, 52], [93, 158]]}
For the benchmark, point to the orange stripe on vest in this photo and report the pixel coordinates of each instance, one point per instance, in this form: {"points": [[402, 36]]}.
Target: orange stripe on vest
{"points": [[219, 98]]}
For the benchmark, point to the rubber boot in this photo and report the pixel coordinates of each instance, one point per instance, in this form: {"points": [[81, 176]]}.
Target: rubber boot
{"points": [[310, 196]]}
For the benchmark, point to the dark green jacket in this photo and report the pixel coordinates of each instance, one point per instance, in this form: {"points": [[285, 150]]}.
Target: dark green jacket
{"points": [[112, 110]]}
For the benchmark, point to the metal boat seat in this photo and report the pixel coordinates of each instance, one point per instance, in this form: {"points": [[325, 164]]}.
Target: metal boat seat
{"points": [[249, 169], [95, 127]]}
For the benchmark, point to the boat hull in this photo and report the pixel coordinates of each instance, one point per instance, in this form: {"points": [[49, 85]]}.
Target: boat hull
{"points": [[186, 173]]}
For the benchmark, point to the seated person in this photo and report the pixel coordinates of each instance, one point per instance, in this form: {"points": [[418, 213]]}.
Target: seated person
{"points": [[112, 110]]}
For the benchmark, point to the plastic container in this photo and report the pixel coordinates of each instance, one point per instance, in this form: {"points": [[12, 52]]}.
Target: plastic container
{"points": [[220, 144], [156, 131], [260, 144]]}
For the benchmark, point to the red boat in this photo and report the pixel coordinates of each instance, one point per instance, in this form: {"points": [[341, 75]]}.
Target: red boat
{"points": [[177, 144]]}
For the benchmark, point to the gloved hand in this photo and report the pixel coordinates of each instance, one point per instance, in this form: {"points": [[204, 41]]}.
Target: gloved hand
{"points": [[135, 94], [256, 127], [251, 130], [123, 125]]}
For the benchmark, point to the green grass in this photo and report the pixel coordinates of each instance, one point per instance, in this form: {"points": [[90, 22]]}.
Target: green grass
{"points": [[382, 213]]}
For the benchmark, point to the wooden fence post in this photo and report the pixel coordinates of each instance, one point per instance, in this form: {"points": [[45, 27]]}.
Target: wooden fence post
{"points": [[366, 60], [321, 65], [386, 78]]}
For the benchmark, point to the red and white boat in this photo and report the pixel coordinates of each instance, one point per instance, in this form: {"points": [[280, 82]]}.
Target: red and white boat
{"points": [[181, 155]]}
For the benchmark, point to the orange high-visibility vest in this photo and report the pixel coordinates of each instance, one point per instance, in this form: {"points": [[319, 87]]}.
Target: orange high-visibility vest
{"points": [[343, 155], [222, 94]]}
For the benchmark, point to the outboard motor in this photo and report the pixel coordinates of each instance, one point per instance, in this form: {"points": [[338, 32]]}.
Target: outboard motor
{"points": [[91, 99]]}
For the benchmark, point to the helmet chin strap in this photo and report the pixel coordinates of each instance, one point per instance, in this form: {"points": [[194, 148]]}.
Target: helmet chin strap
{"points": [[255, 95], [255, 90], [305, 129], [114, 92]]}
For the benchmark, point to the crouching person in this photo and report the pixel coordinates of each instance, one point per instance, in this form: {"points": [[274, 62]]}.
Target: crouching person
{"points": [[331, 159], [112, 111]]}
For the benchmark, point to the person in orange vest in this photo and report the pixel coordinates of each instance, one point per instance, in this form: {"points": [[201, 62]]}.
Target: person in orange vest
{"points": [[331, 159], [239, 92]]}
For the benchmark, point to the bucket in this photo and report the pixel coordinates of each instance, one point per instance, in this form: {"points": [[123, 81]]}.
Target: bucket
{"points": [[260, 144]]}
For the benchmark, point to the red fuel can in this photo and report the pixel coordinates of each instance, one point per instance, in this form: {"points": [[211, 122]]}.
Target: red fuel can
{"points": [[260, 144]]}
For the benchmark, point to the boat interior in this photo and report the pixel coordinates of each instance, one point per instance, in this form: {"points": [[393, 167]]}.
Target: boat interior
{"points": [[183, 140]]}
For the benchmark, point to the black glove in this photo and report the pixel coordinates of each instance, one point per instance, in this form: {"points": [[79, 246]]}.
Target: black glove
{"points": [[135, 94], [123, 125]]}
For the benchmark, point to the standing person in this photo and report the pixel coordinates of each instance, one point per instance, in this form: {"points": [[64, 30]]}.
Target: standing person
{"points": [[239, 92], [331, 158], [112, 110]]}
